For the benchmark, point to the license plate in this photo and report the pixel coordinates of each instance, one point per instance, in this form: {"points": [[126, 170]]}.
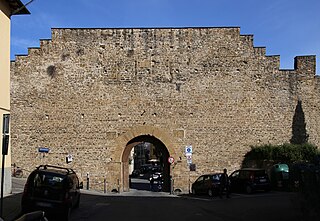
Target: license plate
{"points": [[42, 204]]}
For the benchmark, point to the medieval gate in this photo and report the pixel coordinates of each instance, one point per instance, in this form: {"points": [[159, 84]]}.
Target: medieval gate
{"points": [[94, 93]]}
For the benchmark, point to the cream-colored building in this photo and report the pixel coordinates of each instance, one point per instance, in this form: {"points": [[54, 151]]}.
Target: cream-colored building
{"points": [[7, 9]]}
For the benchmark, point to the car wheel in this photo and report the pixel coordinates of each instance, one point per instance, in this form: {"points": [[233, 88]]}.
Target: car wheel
{"points": [[194, 191], [210, 192], [248, 189]]}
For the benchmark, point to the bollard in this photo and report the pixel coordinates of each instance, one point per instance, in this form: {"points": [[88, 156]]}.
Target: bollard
{"points": [[171, 185], [87, 181], [104, 185]]}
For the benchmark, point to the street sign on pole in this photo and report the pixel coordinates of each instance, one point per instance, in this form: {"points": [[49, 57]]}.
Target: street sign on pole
{"points": [[188, 150], [189, 159], [192, 167], [43, 150], [5, 146], [5, 126], [69, 158]]}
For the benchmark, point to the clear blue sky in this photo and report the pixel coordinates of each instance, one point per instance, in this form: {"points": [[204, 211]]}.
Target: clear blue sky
{"points": [[285, 27]]}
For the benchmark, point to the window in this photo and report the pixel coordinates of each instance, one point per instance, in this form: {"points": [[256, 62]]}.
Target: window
{"points": [[48, 180], [216, 177], [235, 174], [200, 179]]}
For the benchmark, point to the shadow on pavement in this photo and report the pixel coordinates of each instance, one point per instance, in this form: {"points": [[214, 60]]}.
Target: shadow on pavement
{"points": [[11, 207]]}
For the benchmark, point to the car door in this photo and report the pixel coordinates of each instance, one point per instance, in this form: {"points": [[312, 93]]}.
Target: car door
{"points": [[77, 187], [207, 184], [72, 189], [198, 185], [234, 181], [244, 180]]}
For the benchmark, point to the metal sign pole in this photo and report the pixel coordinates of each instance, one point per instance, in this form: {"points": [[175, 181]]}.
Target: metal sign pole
{"points": [[5, 145], [2, 183]]}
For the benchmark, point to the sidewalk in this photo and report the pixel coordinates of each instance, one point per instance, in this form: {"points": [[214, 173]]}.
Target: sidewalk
{"points": [[132, 192]]}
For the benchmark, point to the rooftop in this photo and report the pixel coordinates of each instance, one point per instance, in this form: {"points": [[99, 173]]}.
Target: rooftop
{"points": [[17, 7]]}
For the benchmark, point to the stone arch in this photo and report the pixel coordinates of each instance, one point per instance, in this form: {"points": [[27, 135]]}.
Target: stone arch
{"points": [[126, 141]]}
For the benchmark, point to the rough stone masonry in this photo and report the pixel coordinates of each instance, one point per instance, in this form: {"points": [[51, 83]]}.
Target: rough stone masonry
{"points": [[91, 92]]}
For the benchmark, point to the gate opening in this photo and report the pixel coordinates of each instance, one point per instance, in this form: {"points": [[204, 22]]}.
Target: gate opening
{"points": [[146, 164]]}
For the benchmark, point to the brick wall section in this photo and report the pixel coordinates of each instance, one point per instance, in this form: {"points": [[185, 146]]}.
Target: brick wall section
{"points": [[88, 92]]}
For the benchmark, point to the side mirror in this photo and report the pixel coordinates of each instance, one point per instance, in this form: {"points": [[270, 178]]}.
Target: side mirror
{"points": [[81, 185]]}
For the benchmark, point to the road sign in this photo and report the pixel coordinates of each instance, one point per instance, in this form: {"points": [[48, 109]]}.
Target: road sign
{"points": [[5, 144], [171, 160], [43, 150], [189, 159], [5, 126], [192, 167], [188, 150], [69, 158]]}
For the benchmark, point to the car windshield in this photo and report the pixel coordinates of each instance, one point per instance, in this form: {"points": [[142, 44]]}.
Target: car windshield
{"points": [[48, 180]]}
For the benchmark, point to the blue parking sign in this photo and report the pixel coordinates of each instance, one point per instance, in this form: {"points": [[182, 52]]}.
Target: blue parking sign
{"points": [[189, 149]]}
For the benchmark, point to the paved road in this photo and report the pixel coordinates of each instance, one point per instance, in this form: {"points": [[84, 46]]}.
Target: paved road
{"points": [[145, 205], [271, 206]]}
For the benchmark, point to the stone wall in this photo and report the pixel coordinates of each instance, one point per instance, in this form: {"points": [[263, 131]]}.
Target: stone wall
{"points": [[88, 92]]}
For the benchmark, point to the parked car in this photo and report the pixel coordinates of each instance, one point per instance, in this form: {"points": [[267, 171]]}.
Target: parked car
{"points": [[249, 180], [52, 189], [207, 184], [279, 176], [156, 176], [135, 173], [303, 174]]}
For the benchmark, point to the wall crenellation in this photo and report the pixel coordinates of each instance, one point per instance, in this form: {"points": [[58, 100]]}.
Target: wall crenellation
{"points": [[305, 64]]}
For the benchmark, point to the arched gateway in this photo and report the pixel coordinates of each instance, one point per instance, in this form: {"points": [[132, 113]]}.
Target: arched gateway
{"points": [[159, 137], [94, 93]]}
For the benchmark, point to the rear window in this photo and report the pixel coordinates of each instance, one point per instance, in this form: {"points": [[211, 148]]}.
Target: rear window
{"points": [[245, 174], [259, 173], [55, 181]]}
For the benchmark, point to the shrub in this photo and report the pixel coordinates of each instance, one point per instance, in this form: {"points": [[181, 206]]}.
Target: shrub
{"points": [[285, 153]]}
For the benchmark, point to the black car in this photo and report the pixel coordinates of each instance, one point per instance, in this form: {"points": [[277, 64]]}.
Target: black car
{"points": [[207, 184], [52, 189], [249, 180]]}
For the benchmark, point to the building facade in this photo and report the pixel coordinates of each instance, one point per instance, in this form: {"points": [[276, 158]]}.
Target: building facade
{"points": [[7, 7], [96, 93]]}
